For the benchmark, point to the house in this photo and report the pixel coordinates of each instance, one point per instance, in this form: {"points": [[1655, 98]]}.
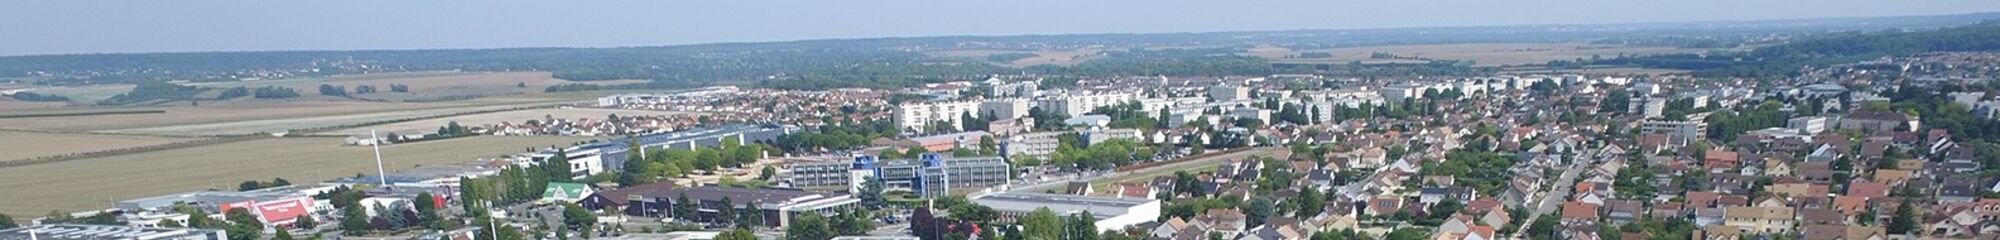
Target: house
{"points": [[566, 192], [1078, 188], [1821, 216], [1759, 219], [1667, 210], [1720, 160], [1719, 232], [1578, 213], [1229, 222], [1866, 189], [1622, 211], [1170, 227], [1384, 206]]}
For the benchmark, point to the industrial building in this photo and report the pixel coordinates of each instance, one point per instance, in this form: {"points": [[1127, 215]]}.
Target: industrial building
{"points": [[599, 157], [103, 232], [1112, 213], [275, 207], [779, 205], [930, 174]]}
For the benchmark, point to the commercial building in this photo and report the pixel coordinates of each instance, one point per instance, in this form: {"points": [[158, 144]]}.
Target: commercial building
{"points": [[608, 155], [778, 206], [910, 116], [275, 208], [102, 232], [930, 174], [1111, 213]]}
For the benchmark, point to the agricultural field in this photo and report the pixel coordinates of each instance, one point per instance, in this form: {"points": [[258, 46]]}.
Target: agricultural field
{"points": [[422, 85], [22, 145], [519, 116], [1483, 54], [284, 124], [93, 183], [211, 114], [1048, 57]]}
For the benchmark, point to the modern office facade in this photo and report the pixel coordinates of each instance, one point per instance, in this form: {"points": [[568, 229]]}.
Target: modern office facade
{"points": [[930, 174]]}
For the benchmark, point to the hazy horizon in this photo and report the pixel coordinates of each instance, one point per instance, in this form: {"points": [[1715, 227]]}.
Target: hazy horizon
{"points": [[53, 27]]}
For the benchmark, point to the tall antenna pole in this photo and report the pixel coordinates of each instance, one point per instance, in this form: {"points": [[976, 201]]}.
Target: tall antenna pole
{"points": [[381, 175]]}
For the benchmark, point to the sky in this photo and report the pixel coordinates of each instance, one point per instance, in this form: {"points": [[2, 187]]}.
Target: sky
{"points": [[33, 27]]}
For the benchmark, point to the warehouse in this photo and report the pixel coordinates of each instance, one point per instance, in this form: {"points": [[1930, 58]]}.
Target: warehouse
{"points": [[1111, 213], [657, 200]]}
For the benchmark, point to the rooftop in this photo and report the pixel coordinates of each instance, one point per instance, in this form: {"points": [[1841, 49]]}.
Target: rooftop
{"points": [[1101, 207], [101, 232]]}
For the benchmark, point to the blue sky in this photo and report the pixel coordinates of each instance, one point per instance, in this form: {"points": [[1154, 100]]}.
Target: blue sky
{"points": [[61, 27]]}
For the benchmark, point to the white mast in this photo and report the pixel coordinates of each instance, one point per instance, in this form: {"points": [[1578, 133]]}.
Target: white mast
{"points": [[381, 175]]}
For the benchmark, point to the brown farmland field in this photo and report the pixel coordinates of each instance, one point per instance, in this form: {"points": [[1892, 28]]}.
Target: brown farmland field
{"points": [[93, 183], [21, 145]]}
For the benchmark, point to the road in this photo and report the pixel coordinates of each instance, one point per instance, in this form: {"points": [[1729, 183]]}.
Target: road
{"points": [[1557, 194]]}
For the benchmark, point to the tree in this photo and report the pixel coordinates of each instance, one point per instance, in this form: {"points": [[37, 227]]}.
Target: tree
{"points": [[7, 222], [751, 216], [683, 207], [852, 223], [576, 217], [1041, 224], [355, 221], [871, 193], [1258, 209], [306, 222], [1081, 226], [809, 226], [727, 214], [283, 235], [736, 234], [1408, 233], [243, 226], [974, 213], [1905, 220], [767, 173], [1544, 227]]}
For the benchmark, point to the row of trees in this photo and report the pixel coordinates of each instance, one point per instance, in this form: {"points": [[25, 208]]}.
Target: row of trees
{"points": [[514, 184], [656, 164], [254, 185], [1106, 154], [37, 97], [836, 137]]}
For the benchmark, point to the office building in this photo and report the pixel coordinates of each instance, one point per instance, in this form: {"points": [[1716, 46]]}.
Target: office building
{"points": [[930, 174]]}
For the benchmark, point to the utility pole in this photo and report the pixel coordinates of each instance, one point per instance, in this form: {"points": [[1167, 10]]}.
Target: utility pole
{"points": [[380, 174]]}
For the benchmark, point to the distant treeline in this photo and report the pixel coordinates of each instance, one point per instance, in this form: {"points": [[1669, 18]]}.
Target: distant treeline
{"points": [[36, 97], [1785, 59], [266, 92]]}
